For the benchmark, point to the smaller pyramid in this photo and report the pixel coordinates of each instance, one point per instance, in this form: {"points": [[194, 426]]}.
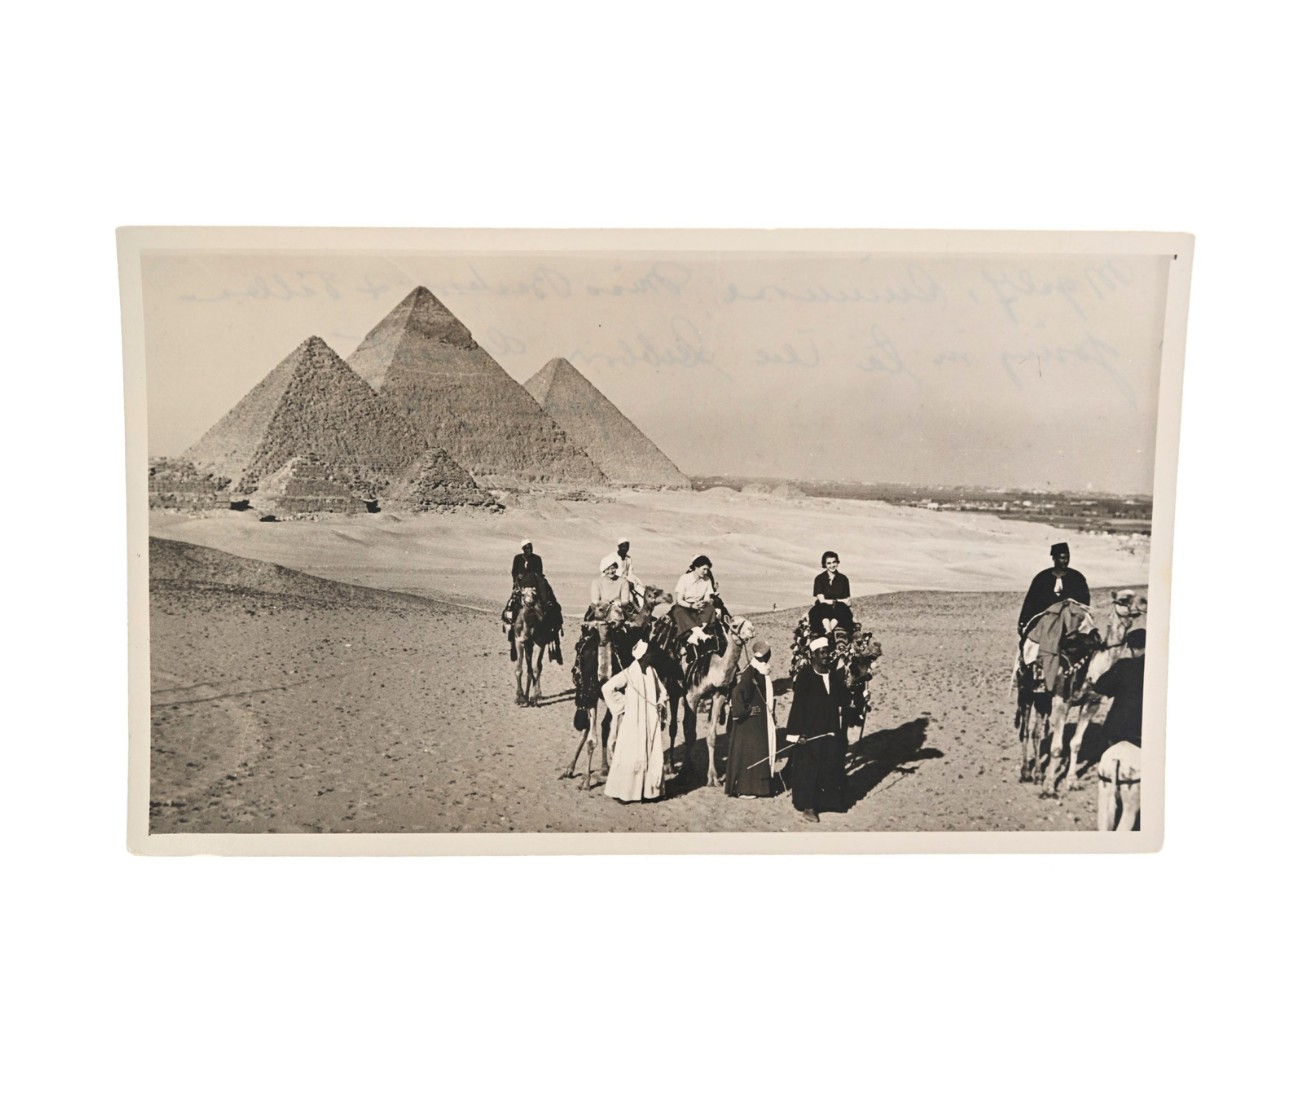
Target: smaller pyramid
{"points": [[313, 431], [175, 484], [306, 485], [618, 447], [434, 483]]}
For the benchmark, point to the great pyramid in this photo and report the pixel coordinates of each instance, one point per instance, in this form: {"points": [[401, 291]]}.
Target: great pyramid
{"points": [[425, 364], [314, 408], [591, 420]]}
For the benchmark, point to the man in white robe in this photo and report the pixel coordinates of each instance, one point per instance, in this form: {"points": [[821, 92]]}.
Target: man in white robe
{"points": [[637, 699]]}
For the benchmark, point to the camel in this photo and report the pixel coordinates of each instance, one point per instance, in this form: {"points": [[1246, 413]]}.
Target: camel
{"points": [[1054, 654], [1119, 786], [709, 680], [529, 635], [604, 648], [1126, 614]]}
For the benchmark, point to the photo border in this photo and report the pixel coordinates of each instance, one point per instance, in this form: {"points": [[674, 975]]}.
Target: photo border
{"points": [[135, 241]]}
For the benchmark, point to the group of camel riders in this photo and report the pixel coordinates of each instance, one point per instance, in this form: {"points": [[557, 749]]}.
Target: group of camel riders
{"points": [[693, 624], [1121, 681], [696, 613]]}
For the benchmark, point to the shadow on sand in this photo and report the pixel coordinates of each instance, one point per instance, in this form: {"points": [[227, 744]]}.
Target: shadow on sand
{"points": [[558, 697], [874, 758], [692, 756]]}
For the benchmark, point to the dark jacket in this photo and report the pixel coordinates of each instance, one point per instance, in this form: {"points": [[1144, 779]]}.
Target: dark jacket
{"points": [[524, 565], [1042, 593], [813, 711], [1123, 681]]}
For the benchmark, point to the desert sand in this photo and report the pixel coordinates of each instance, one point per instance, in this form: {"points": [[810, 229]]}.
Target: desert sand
{"points": [[287, 700]]}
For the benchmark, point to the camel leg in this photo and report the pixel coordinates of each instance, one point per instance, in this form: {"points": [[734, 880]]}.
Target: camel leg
{"points": [[711, 736], [1024, 728], [573, 768], [1084, 719], [1056, 760], [1037, 741], [535, 680], [1130, 803], [520, 664], [672, 737], [690, 721], [1106, 804]]}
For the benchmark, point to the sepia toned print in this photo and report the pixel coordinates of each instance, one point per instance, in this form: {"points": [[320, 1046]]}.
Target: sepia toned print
{"points": [[649, 541]]}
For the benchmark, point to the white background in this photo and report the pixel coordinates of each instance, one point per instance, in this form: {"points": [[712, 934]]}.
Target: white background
{"points": [[1169, 974]]}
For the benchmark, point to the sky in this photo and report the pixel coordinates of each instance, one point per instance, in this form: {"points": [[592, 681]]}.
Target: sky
{"points": [[1006, 370]]}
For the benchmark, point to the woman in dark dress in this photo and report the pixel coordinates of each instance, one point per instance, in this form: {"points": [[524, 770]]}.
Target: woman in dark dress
{"points": [[830, 590], [753, 729]]}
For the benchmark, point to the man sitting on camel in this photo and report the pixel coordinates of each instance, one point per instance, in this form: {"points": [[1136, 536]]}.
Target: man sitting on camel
{"points": [[526, 572]]}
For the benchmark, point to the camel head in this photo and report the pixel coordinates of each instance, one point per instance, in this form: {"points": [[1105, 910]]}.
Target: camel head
{"points": [[527, 596], [743, 629]]}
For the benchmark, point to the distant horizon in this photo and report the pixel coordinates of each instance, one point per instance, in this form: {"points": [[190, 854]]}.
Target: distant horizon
{"points": [[949, 486], [1021, 373]]}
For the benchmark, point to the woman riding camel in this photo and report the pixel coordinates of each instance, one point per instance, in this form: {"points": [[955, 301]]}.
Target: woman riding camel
{"points": [[610, 589], [830, 590], [696, 599]]}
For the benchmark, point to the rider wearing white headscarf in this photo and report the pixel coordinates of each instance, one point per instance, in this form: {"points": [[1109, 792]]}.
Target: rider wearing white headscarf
{"points": [[609, 588]]}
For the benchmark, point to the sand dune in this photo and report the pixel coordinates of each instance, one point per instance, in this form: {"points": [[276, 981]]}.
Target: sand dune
{"points": [[766, 549]]}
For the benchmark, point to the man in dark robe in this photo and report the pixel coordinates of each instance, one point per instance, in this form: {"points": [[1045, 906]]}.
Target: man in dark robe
{"points": [[526, 572], [1123, 681], [753, 728], [1053, 585], [815, 725], [526, 563]]}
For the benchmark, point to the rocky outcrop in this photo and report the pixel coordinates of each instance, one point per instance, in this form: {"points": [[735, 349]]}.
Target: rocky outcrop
{"points": [[621, 450], [428, 368]]}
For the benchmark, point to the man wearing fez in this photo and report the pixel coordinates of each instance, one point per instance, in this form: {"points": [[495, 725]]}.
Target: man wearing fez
{"points": [[816, 769], [1053, 585]]}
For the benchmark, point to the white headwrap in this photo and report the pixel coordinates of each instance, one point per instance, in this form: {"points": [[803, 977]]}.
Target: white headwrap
{"points": [[607, 561], [525, 542], [623, 539], [818, 643]]}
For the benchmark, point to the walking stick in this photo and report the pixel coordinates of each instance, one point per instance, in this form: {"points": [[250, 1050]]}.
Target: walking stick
{"points": [[805, 741]]}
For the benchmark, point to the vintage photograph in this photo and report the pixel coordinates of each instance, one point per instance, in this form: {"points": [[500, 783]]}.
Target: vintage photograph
{"points": [[642, 540]]}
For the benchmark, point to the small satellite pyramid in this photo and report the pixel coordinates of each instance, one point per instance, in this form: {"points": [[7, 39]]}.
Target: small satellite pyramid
{"points": [[313, 431], [426, 366], [621, 450]]}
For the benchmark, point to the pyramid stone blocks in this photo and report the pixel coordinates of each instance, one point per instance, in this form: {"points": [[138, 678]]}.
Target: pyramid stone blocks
{"points": [[427, 367]]}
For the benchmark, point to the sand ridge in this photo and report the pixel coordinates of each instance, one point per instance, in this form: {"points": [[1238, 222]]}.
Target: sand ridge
{"points": [[766, 550]]}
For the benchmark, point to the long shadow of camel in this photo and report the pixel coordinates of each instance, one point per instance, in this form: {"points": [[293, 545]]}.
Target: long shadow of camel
{"points": [[874, 758]]}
